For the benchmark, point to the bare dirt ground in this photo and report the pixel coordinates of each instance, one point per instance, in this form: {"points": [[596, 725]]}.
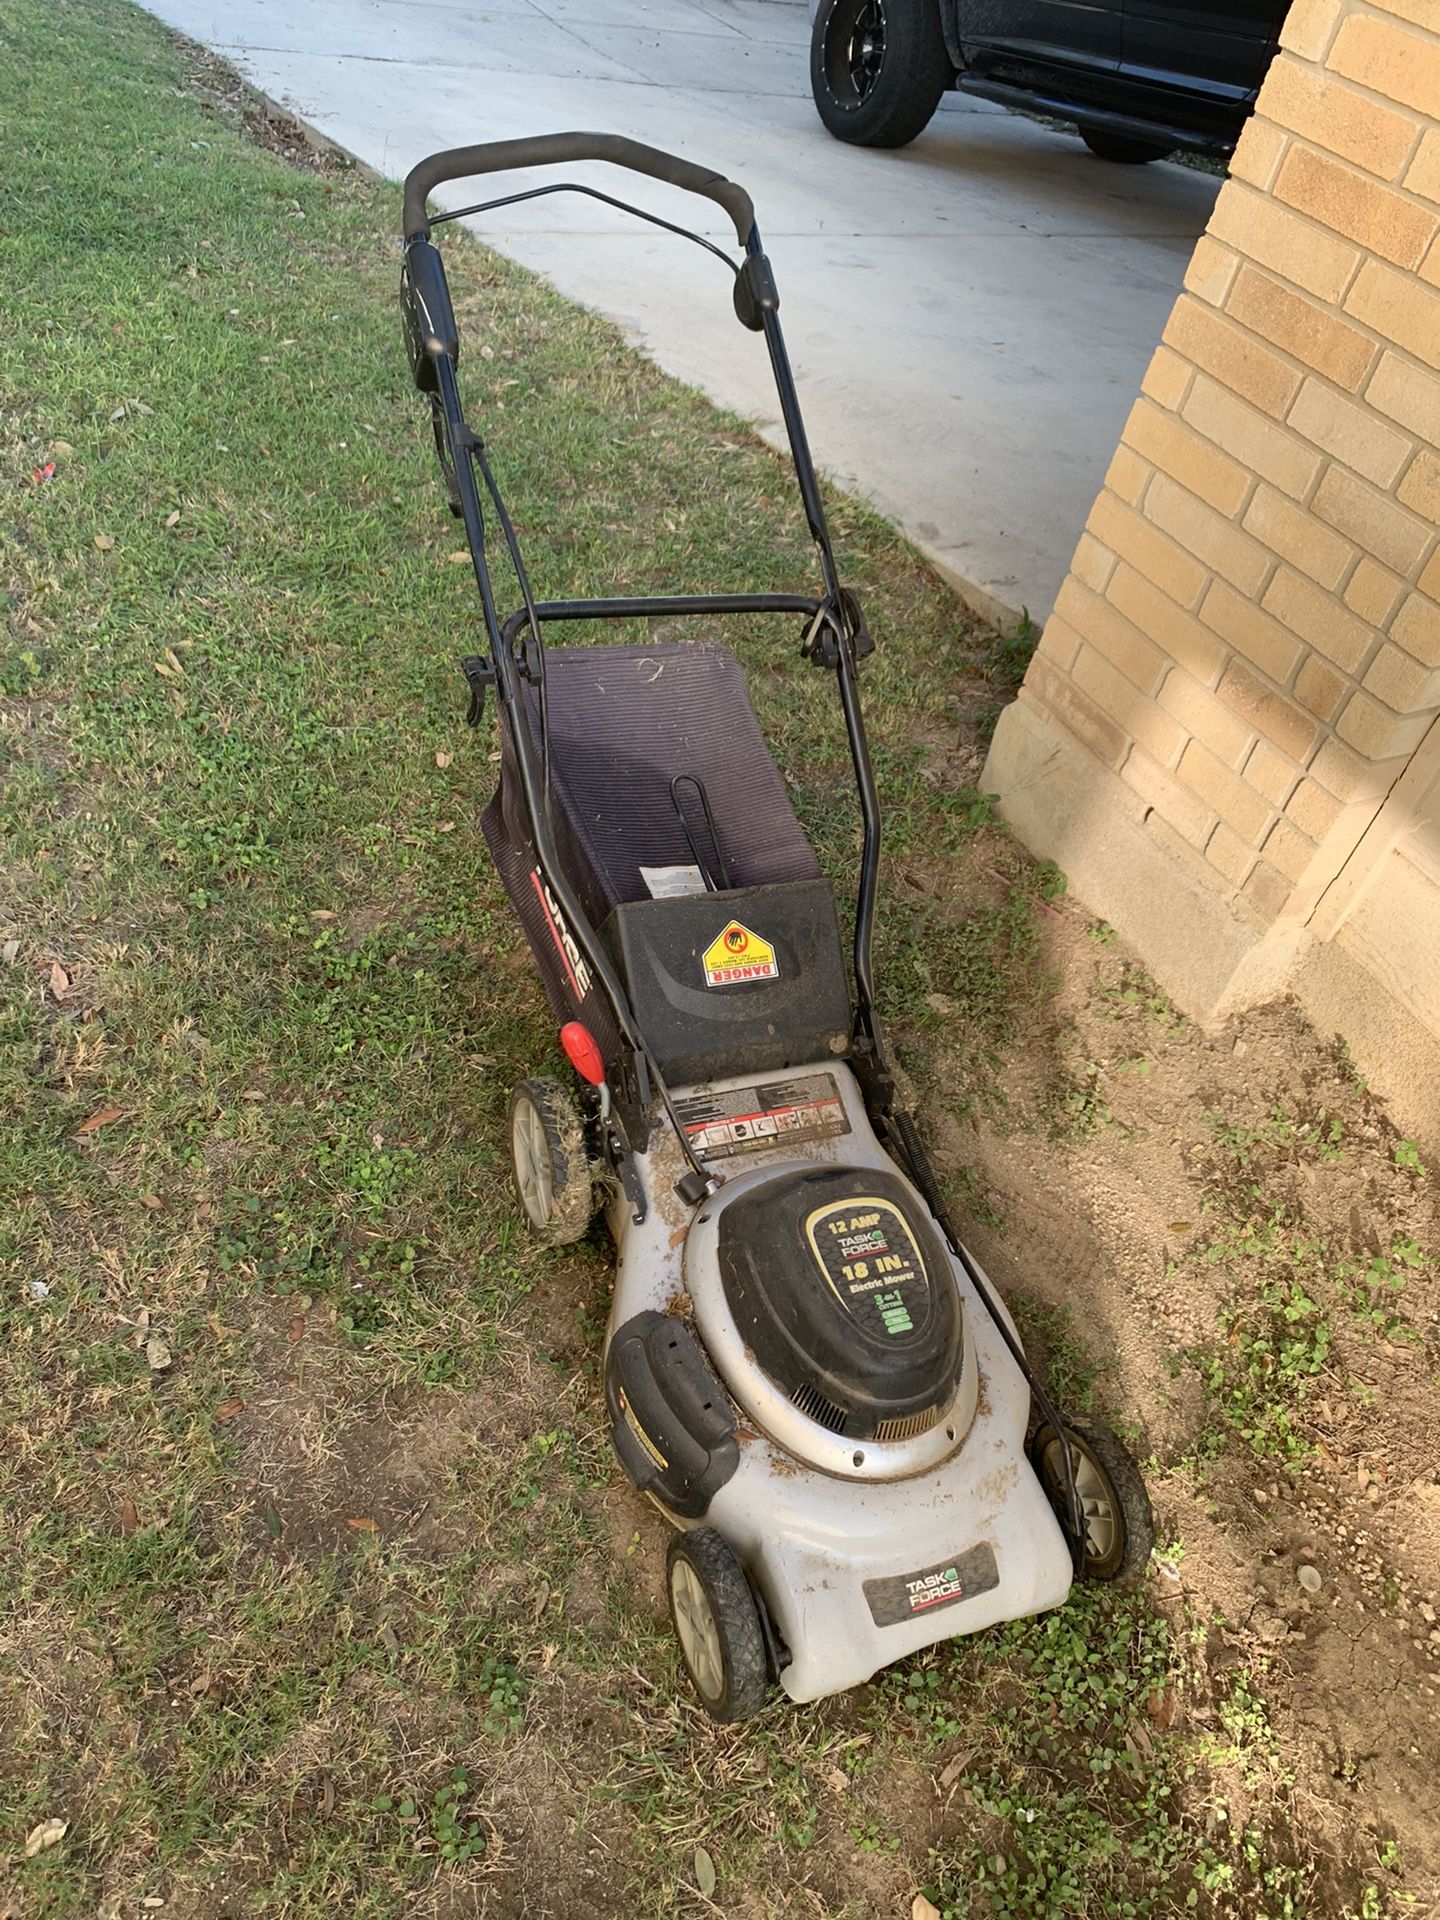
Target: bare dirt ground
{"points": [[1151, 1178]]}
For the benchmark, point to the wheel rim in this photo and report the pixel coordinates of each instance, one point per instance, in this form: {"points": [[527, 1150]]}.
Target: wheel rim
{"points": [[1104, 1525], [534, 1169], [697, 1630], [855, 49]]}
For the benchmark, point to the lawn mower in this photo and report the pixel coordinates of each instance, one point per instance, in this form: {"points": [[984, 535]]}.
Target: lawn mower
{"points": [[803, 1367]]}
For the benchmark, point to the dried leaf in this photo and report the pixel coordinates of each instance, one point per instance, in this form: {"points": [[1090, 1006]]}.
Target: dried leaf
{"points": [[459, 558], [297, 1327], [157, 1353], [1181, 1226], [10, 952], [61, 446], [102, 1117], [1161, 1708], [923, 1909], [151, 1202], [174, 659], [228, 1409], [164, 669], [362, 1525], [173, 519], [59, 980], [129, 1517], [704, 1872], [322, 914], [103, 543], [48, 1834], [442, 760]]}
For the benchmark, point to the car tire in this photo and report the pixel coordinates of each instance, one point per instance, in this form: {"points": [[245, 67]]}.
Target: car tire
{"points": [[878, 69], [1122, 149]]}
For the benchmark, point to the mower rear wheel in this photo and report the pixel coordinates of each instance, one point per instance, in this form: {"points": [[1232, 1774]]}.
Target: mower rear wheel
{"points": [[1119, 1526], [717, 1625], [549, 1162]]}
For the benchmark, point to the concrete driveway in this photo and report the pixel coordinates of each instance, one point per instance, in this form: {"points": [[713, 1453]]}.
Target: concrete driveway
{"points": [[969, 318]]}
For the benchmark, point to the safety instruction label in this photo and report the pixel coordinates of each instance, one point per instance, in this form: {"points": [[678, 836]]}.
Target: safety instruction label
{"points": [[736, 954], [748, 1119]]}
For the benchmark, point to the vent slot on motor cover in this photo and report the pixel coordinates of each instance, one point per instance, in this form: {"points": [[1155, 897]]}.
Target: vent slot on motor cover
{"points": [[813, 1404], [907, 1428]]}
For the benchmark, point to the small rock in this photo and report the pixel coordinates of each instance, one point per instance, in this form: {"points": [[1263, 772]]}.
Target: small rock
{"points": [[1309, 1578]]}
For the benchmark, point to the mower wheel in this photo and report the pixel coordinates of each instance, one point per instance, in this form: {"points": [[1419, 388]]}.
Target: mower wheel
{"points": [[717, 1625], [1119, 1526], [549, 1162]]}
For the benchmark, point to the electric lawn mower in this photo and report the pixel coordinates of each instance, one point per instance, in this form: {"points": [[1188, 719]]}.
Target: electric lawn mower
{"points": [[804, 1367]]}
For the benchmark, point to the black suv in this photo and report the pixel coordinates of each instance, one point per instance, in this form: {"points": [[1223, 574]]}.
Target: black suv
{"points": [[1140, 78]]}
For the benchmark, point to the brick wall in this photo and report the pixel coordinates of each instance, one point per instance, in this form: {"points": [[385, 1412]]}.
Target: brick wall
{"points": [[1249, 636]]}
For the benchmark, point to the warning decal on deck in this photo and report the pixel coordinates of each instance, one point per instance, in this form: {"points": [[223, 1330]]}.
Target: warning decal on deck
{"points": [[737, 954], [776, 1113]]}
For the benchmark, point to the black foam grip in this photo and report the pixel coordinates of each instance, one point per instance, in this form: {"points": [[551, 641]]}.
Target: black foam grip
{"points": [[549, 149]]}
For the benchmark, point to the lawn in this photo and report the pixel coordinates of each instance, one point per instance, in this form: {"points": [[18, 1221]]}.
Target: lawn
{"points": [[320, 1592]]}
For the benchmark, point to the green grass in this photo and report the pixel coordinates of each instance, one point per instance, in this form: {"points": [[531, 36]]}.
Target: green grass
{"points": [[318, 1594]]}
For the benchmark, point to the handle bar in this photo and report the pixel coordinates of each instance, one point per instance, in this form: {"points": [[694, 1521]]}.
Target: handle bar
{"points": [[547, 149]]}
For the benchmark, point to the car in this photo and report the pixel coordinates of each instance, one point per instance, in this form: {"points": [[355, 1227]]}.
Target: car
{"points": [[1140, 78]]}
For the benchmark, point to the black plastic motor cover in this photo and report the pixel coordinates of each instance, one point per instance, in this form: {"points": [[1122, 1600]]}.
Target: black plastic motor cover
{"points": [[670, 1421], [842, 1290]]}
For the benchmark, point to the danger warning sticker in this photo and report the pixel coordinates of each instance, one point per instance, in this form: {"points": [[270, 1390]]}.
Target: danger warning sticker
{"points": [[736, 955]]}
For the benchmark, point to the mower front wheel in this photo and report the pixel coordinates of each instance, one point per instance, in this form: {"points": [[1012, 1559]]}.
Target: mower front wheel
{"points": [[717, 1625], [549, 1162], [1119, 1526]]}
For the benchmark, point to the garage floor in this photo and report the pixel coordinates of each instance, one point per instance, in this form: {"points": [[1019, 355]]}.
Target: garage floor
{"points": [[969, 318]]}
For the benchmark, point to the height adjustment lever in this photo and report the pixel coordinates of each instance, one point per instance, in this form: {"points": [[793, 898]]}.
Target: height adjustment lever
{"points": [[479, 674]]}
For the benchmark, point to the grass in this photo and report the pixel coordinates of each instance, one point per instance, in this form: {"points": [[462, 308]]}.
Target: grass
{"points": [[318, 1594]]}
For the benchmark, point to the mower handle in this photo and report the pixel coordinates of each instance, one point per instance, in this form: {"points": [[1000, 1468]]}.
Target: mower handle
{"points": [[549, 149]]}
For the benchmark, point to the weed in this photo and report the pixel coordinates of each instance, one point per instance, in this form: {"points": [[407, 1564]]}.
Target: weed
{"points": [[1069, 1368], [1137, 992], [504, 1687], [1407, 1155], [1077, 1105]]}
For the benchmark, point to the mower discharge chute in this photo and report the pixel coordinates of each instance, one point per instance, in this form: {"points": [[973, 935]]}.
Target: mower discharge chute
{"points": [[804, 1367]]}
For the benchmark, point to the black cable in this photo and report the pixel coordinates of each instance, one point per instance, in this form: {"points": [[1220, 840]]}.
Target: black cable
{"points": [[593, 193]]}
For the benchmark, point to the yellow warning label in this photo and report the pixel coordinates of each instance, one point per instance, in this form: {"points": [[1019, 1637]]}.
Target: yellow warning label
{"points": [[738, 954]]}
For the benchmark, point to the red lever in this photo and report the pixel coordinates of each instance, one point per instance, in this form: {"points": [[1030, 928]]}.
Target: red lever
{"points": [[582, 1052]]}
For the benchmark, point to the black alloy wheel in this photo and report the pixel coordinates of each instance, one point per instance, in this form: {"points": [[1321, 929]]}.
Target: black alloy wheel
{"points": [[878, 68]]}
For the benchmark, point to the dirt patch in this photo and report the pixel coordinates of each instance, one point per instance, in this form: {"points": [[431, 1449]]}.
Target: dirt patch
{"points": [[1242, 1238]]}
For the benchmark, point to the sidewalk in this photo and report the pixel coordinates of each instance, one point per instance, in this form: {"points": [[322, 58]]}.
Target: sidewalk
{"points": [[969, 318]]}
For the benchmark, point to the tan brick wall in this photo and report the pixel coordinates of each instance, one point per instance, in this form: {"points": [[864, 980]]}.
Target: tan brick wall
{"points": [[1249, 636]]}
